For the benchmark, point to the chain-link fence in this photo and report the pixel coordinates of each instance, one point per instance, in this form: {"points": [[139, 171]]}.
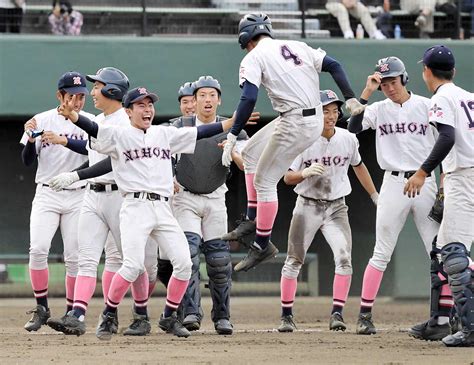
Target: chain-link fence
{"points": [[291, 18]]}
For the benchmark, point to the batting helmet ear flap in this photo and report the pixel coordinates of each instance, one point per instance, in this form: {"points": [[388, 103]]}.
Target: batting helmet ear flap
{"points": [[244, 39], [112, 91]]}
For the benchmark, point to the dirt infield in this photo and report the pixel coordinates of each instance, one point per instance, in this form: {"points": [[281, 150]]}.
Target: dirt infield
{"points": [[255, 339]]}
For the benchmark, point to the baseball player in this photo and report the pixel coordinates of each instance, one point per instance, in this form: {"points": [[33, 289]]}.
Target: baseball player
{"points": [[452, 109], [320, 176], [403, 139], [199, 207], [51, 209], [141, 161], [289, 70], [100, 213]]}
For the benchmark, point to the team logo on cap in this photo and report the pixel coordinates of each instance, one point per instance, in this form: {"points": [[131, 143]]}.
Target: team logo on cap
{"points": [[384, 67], [331, 94], [142, 90], [76, 80]]}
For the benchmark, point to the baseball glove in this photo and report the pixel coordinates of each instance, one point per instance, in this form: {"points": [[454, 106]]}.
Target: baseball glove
{"points": [[436, 212]]}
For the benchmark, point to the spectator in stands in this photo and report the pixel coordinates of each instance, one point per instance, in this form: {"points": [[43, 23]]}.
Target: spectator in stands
{"points": [[341, 10], [64, 20], [425, 9], [11, 14]]}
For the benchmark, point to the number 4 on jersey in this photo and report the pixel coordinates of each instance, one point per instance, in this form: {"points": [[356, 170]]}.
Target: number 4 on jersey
{"points": [[288, 55]]}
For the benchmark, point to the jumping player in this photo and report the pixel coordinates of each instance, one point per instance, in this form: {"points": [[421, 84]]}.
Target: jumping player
{"points": [[403, 139], [51, 209], [452, 109], [141, 162], [320, 176], [289, 70]]}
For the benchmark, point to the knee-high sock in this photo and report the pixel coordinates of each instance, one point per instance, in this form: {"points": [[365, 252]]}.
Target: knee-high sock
{"points": [[251, 197], [174, 294], [70, 283], [266, 213], [83, 291], [118, 289], [107, 277], [39, 283], [340, 291], [287, 294], [140, 293], [370, 288]]}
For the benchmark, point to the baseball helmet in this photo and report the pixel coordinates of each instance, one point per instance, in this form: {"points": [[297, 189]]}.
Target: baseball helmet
{"points": [[207, 81], [253, 25], [186, 90], [115, 81], [328, 97], [392, 67]]}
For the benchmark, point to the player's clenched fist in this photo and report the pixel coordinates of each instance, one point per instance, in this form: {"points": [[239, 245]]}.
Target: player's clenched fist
{"points": [[228, 147], [315, 169], [354, 106]]}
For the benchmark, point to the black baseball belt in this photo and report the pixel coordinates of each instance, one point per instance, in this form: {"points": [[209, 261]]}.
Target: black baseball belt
{"points": [[406, 174], [100, 188], [304, 112]]}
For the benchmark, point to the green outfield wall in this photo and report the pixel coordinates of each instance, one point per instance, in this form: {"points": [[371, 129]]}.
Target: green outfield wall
{"points": [[31, 65]]}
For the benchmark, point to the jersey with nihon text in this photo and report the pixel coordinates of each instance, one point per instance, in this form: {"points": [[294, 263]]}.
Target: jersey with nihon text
{"points": [[141, 161], [336, 154], [289, 70], [54, 159], [403, 136], [454, 106]]}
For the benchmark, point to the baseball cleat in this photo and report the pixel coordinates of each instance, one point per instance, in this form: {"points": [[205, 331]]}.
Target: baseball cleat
{"points": [[336, 322], [139, 327], [287, 324], [172, 325], [365, 326], [256, 256], [68, 324], [223, 327], [192, 322], [104, 329], [464, 338], [244, 228], [429, 331], [40, 316]]}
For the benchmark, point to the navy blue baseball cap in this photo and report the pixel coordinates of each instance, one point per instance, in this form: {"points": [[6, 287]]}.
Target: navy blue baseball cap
{"points": [[73, 83], [438, 57], [137, 94]]}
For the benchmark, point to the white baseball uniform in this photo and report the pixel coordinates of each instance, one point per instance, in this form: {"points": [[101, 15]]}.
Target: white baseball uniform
{"points": [[51, 209], [320, 203], [454, 106], [289, 70], [141, 162], [404, 138]]}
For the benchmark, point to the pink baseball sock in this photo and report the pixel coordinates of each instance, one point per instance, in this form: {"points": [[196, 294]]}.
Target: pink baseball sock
{"points": [[151, 287], [39, 283], [267, 212], [70, 283], [174, 295], [340, 291], [251, 197], [370, 288], [140, 293], [287, 294], [107, 277], [83, 291], [118, 289]]}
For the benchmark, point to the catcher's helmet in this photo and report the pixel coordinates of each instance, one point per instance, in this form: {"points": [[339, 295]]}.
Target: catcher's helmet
{"points": [[252, 25], [115, 81], [392, 67], [186, 90], [328, 97], [207, 81]]}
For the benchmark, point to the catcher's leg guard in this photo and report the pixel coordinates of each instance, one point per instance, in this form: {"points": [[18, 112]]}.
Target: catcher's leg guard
{"points": [[438, 278], [191, 302], [219, 269], [460, 276], [165, 269]]}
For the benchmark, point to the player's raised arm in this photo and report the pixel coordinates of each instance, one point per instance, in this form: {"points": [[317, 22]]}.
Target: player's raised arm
{"points": [[66, 109]]}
